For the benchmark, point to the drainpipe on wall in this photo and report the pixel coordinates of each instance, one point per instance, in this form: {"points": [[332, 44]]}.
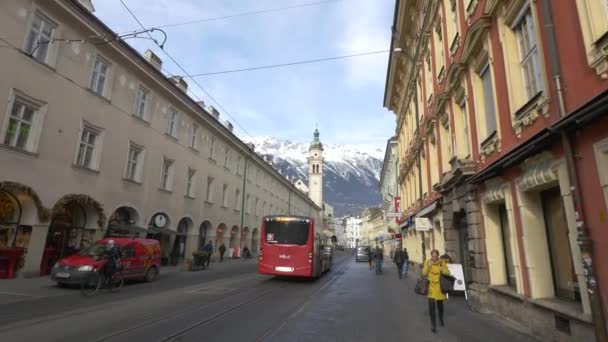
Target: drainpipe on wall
{"points": [[584, 240]]}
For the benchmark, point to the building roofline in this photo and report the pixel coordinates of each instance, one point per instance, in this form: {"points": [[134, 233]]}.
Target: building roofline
{"points": [[390, 53], [389, 142], [180, 93]]}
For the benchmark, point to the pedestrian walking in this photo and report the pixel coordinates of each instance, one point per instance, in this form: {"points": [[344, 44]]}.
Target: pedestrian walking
{"points": [[222, 251], [434, 269], [406, 262], [208, 251], [398, 259], [378, 259], [370, 257]]}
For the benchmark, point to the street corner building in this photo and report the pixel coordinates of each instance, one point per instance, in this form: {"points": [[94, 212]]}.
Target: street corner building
{"points": [[95, 140], [503, 146]]}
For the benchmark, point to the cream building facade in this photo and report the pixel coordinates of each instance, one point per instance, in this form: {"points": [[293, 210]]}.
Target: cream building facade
{"points": [[94, 135]]}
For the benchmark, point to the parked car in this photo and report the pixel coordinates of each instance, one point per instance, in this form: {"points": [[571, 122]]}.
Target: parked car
{"points": [[361, 253], [141, 260]]}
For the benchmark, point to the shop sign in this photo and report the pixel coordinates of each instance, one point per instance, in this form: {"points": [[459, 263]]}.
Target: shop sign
{"points": [[422, 224]]}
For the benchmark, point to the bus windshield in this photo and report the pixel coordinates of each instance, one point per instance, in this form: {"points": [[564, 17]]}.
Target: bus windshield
{"points": [[289, 233]]}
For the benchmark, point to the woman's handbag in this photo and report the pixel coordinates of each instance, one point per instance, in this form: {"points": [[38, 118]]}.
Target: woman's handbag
{"points": [[446, 282], [422, 286]]}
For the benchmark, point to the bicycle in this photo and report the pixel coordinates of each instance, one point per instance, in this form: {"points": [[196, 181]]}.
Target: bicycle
{"points": [[95, 281]]}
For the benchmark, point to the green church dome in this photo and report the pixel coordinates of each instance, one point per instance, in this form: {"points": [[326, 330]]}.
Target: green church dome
{"points": [[316, 143]]}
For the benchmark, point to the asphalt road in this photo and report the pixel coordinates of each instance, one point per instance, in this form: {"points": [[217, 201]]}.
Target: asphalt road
{"points": [[232, 302]]}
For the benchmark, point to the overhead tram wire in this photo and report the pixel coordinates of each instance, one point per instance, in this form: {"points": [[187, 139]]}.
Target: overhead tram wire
{"points": [[247, 13], [186, 72], [282, 65]]}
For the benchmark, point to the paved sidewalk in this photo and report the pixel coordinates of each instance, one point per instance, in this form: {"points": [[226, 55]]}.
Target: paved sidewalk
{"points": [[361, 306]]}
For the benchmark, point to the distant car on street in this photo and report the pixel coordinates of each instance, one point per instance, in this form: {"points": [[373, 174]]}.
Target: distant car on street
{"points": [[361, 253], [141, 260]]}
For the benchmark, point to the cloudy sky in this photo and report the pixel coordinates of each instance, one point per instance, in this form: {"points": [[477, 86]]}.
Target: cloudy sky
{"points": [[344, 96]]}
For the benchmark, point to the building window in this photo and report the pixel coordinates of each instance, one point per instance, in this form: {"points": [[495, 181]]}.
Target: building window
{"points": [[212, 147], [465, 127], [140, 102], [100, 75], [171, 119], [21, 121], [237, 201], [134, 163], [166, 175], [226, 157], [507, 245], [248, 204], [530, 64], [39, 38], [225, 195], [190, 183], [210, 181], [238, 169], [564, 278], [257, 200], [194, 136], [488, 99], [86, 149]]}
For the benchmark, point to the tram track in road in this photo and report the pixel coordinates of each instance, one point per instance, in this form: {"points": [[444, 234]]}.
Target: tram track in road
{"points": [[190, 310]]}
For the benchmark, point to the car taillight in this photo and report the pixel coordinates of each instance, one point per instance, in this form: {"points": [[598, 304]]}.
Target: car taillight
{"points": [[260, 254], [310, 258]]}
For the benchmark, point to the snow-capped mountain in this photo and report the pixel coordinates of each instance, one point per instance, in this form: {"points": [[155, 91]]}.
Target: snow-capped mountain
{"points": [[351, 173]]}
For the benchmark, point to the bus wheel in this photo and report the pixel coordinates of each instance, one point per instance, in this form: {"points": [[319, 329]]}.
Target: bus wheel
{"points": [[151, 274]]}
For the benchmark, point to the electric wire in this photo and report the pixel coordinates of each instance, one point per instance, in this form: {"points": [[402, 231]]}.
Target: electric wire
{"points": [[187, 74], [247, 13], [282, 65]]}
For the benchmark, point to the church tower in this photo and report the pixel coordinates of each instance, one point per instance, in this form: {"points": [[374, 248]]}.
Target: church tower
{"points": [[315, 170]]}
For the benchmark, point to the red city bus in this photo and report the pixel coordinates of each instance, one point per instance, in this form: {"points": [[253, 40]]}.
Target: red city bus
{"points": [[290, 246]]}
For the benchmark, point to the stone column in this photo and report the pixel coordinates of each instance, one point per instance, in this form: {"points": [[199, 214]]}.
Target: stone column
{"points": [[35, 249]]}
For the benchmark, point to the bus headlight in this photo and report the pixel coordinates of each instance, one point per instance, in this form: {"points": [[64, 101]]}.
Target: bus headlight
{"points": [[86, 268]]}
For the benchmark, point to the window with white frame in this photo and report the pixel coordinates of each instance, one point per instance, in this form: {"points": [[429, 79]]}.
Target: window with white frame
{"points": [[134, 163], [488, 99], [225, 195], [19, 132], [166, 175], [238, 168], [101, 69], [39, 38], [530, 64], [237, 201], [87, 148], [171, 121], [210, 181], [140, 102], [226, 157], [212, 147], [194, 136]]}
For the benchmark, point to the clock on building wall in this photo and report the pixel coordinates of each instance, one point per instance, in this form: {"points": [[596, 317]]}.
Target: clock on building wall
{"points": [[160, 220]]}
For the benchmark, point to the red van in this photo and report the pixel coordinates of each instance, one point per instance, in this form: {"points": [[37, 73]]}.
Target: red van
{"points": [[141, 260]]}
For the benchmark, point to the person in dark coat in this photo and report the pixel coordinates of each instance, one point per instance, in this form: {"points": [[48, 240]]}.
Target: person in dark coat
{"points": [[208, 251], [222, 251], [398, 259], [378, 259], [406, 262]]}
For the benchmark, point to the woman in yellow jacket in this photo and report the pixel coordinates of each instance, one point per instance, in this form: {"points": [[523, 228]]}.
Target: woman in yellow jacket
{"points": [[433, 269]]}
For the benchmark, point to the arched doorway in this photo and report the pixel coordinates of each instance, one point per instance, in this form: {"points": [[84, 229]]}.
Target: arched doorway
{"points": [[219, 235], [245, 239], [179, 244], [74, 221], [234, 237], [158, 230], [202, 234], [123, 222], [20, 210], [255, 240]]}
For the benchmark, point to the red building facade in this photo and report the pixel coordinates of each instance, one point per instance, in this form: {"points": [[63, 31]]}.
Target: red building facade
{"points": [[510, 100]]}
